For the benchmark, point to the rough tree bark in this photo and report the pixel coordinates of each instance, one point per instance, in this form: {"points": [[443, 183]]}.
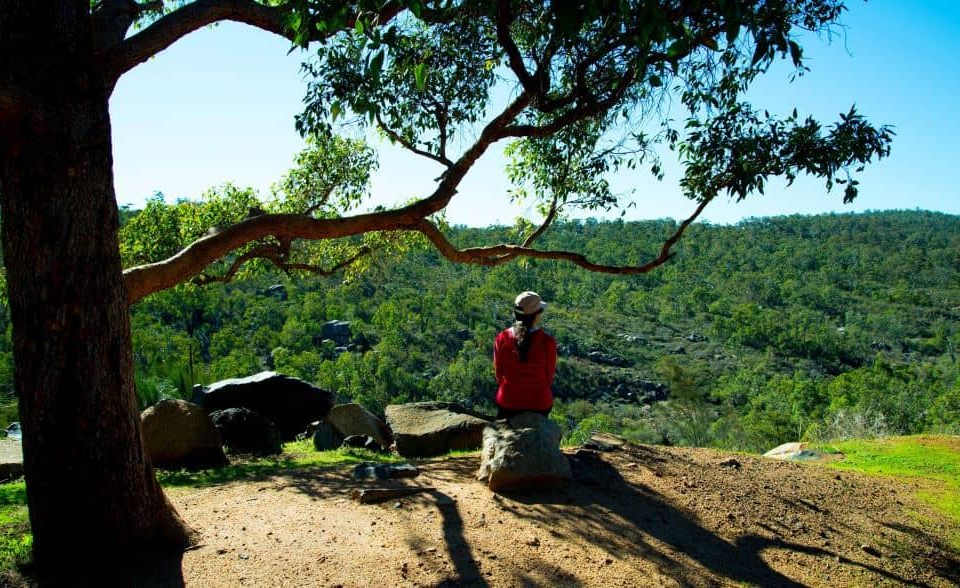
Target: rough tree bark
{"points": [[91, 492]]}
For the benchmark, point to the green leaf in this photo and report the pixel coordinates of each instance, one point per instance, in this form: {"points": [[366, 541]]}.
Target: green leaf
{"points": [[420, 75], [677, 49], [376, 64]]}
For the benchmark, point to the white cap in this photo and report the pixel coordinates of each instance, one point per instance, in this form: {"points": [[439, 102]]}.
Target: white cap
{"points": [[528, 303]]}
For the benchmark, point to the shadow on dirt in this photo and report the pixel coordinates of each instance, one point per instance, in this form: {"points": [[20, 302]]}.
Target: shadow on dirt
{"points": [[609, 505]]}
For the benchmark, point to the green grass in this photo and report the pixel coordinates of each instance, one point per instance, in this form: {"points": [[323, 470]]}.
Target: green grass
{"points": [[296, 454], [15, 537], [931, 461]]}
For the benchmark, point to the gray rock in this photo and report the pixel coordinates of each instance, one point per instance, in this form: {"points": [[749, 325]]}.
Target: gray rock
{"points": [[338, 331], [799, 452], [422, 429], [325, 437], [279, 291], [14, 432], [353, 419], [178, 434], [523, 453], [382, 471], [244, 431], [289, 403]]}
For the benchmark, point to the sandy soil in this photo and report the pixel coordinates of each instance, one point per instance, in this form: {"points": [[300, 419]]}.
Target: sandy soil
{"points": [[637, 516]]}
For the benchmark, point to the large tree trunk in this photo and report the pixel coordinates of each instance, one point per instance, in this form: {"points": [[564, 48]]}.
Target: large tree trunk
{"points": [[92, 495]]}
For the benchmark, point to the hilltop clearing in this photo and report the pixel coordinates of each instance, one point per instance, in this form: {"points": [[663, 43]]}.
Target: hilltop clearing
{"points": [[636, 516]]}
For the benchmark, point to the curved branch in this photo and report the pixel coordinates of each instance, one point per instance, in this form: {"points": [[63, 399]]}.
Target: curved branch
{"points": [[409, 146], [275, 254], [184, 20], [149, 278], [504, 20], [153, 277], [551, 215], [497, 254], [572, 116]]}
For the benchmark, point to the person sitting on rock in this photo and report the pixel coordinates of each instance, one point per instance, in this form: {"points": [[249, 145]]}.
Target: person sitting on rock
{"points": [[524, 361]]}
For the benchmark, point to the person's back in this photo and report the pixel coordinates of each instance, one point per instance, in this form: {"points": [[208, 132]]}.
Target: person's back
{"points": [[524, 360]]}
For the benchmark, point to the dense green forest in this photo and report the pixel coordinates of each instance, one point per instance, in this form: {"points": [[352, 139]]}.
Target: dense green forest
{"points": [[768, 331]]}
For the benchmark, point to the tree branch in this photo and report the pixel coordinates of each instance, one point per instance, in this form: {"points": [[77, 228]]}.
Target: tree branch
{"points": [[504, 20], [409, 146], [184, 20], [498, 254], [153, 277], [276, 254], [552, 214]]}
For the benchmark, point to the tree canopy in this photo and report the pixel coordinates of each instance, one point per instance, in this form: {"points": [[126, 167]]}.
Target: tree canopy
{"points": [[577, 92]]}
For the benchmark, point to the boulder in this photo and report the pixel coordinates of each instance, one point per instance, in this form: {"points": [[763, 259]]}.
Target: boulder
{"points": [[337, 331], [325, 437], [422, 429], [289, 403], [799, 452], [353, 419], [523, 453], [279, 291], [178, 434], [244, 431]]}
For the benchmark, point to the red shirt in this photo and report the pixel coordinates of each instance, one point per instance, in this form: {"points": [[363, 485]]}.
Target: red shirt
{"points": [[524, 385]]}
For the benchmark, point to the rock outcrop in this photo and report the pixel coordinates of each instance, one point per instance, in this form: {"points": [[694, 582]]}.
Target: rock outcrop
{"points": [[523, 453], [178, 434], [423, 429], [353, 419], [244, 431], [336, 331], [799, 452], [289, 403]]}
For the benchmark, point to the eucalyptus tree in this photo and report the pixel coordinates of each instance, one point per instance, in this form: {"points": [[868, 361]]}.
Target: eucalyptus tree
{"points": [[576, 91]]}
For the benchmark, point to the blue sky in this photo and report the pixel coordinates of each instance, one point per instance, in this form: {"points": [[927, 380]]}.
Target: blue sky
{"points": [[218, 106]]}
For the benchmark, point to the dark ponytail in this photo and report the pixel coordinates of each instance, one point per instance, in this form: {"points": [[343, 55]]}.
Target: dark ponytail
{"points": [[521, 328]]}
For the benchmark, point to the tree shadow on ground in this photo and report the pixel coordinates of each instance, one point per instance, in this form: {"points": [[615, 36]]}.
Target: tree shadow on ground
{"points": [[944, 559], [605, 504]]}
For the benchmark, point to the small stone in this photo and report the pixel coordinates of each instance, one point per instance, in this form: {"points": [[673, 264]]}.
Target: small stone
{"points": [[607, 561], [243, 556], [731, 463], [533, 542], [869, 549]]}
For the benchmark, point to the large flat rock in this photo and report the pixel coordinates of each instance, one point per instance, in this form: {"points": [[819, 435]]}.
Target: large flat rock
{"points": [[289, 403], [423, 429]]}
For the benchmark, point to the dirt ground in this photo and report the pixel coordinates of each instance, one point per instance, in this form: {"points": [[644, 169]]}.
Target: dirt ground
{"points": [[636, 516]]}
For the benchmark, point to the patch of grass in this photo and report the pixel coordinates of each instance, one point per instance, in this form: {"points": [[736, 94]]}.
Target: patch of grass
{"points": [[932, 461], [16, 540], [296, 454]]}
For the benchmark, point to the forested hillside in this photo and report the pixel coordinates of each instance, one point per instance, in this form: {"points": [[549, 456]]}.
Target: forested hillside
{"points": [[756, 334]]}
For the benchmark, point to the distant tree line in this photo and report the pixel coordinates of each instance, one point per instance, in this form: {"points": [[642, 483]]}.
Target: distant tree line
{"points": [[763, 332]]}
